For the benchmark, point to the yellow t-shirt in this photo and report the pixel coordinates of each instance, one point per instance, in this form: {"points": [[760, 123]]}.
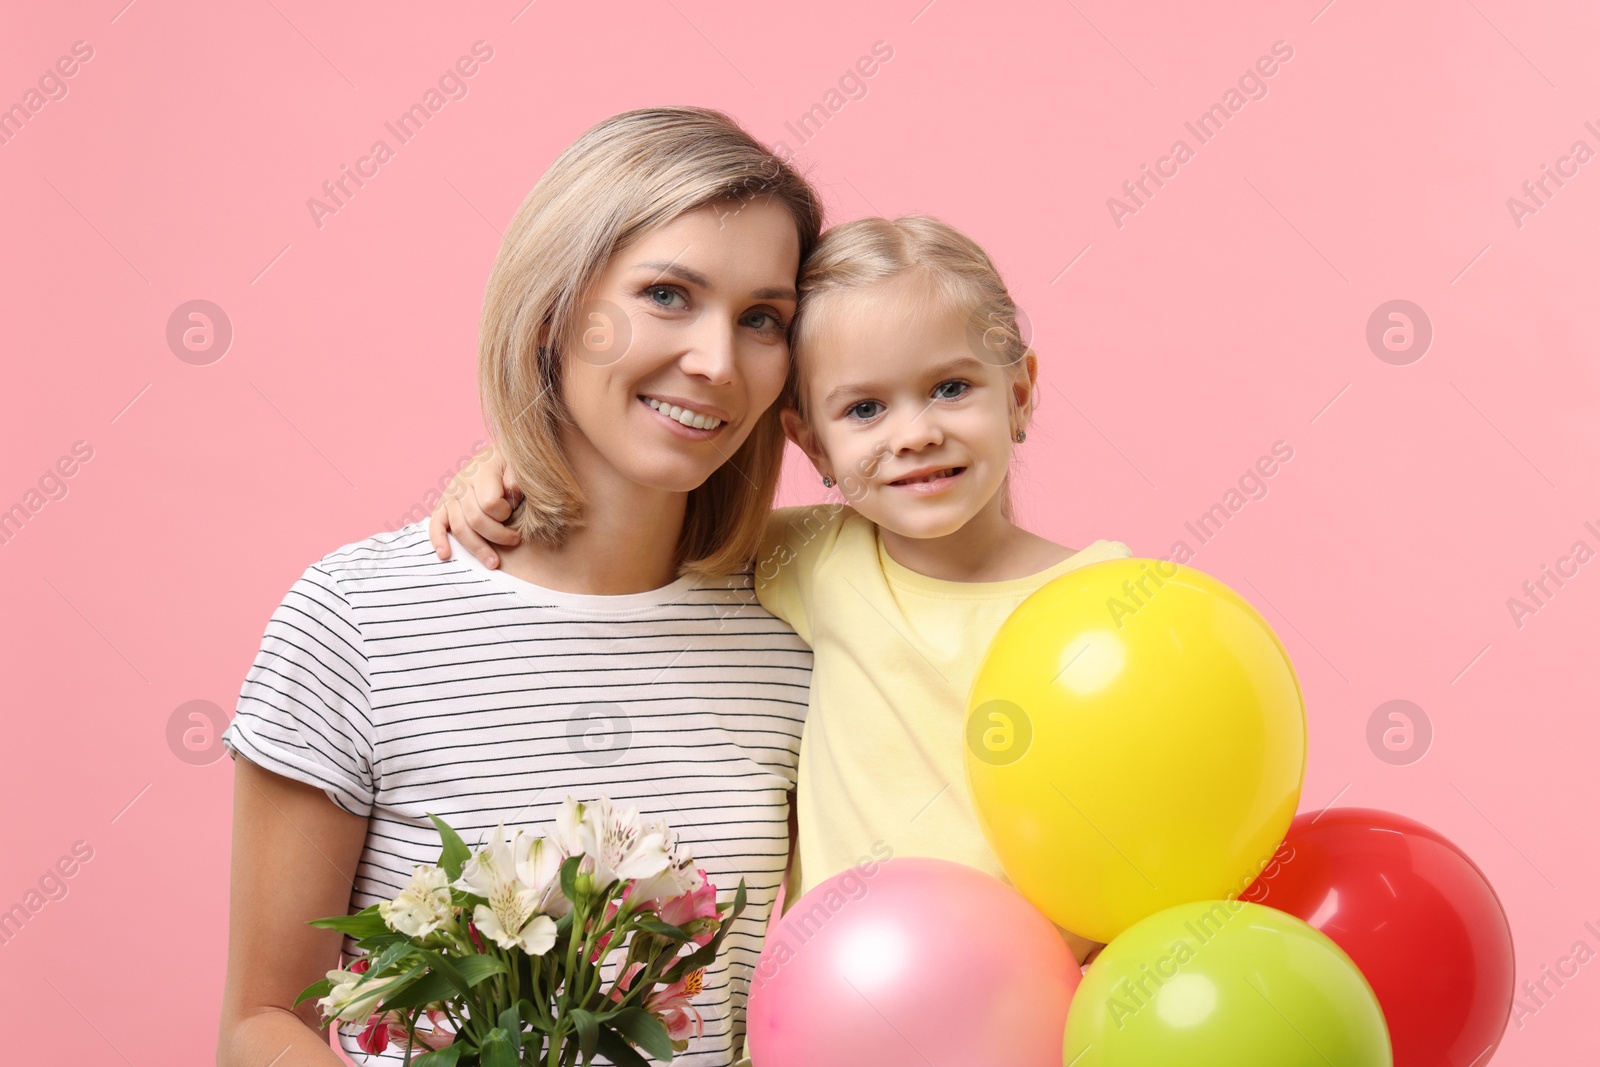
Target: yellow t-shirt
{"points": [[894, 656]]}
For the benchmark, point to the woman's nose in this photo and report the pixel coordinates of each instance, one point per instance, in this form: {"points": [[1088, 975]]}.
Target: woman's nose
{"points": [[713, 353]]}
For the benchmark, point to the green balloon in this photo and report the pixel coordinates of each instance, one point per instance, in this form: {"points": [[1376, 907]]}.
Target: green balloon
{"points": [[1224, 983]]}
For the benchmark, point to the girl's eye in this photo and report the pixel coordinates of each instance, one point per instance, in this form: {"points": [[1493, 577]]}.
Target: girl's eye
{"points": [[950, 390], [862, 410], [663, 295]]}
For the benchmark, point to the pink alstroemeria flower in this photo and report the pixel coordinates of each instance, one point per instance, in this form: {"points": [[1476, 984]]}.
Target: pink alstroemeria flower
{"points": [[375, 1038], [385, 1027], [437, 1038], [698, 903], [671, 1003]]}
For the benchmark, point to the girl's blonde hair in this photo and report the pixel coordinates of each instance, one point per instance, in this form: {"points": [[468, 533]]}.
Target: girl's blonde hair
{"points": [[624, 177], [862, 253]]}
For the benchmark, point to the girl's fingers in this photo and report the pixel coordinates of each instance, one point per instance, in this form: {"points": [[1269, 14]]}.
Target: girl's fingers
{"points": [[438, 526], [488, 521], [462, 529]]}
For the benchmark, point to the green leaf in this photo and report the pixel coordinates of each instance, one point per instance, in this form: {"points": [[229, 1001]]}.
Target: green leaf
{"points": [[644, 1030], [464, 972], [511, 1022], [524, 971], [618, 1051], [455, 854], [425, 990], [497, 1049], [364, 923], [315, 989], [666, 930], [445, 1057], [378, 942], [386, 959], [588, 1031]]}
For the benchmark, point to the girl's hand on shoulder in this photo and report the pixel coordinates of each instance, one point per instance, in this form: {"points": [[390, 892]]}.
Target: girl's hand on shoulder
{"points": [[475, 507]]}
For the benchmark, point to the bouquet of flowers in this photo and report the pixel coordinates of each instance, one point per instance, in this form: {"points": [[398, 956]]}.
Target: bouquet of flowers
{"points": [[502, 951]]}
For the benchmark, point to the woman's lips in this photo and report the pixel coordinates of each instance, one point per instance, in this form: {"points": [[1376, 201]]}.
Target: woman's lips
{"points": [[687, 432]]}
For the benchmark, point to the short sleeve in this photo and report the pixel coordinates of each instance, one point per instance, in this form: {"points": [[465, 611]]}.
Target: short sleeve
{"points": [[304, 710], [795, 542]]}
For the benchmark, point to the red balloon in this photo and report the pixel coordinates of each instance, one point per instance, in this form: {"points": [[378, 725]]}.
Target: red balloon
{"points": [[1415, 914]]}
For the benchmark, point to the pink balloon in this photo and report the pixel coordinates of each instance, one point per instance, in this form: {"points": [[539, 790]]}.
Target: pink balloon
{"points": [[913, 961]]}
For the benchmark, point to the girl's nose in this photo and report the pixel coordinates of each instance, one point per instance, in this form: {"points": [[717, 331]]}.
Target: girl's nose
{"points": [[916, 433]]}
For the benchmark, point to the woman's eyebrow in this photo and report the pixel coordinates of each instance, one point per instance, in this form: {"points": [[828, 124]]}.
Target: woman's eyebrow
{"points": [[694, 277]]}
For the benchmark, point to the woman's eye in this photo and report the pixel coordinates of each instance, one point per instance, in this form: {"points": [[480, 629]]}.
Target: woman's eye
{"points": [[950, 390], [863, 410], [663, 296]]}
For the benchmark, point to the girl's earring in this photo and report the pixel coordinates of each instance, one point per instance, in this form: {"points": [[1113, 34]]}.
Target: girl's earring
{"points": [[1022, 435], [827, 482]]}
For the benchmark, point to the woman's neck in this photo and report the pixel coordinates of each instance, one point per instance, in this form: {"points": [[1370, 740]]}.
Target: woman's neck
{"points": [[626, 541]]}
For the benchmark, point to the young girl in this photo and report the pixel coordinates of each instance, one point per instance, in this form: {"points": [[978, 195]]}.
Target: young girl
{"points": [[910, 390]]}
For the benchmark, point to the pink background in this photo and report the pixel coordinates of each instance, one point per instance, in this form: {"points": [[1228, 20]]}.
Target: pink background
{"points": [[1228, 313]]}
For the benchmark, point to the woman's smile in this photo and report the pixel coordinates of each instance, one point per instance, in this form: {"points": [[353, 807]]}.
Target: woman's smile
{"points": [[693, 423]]}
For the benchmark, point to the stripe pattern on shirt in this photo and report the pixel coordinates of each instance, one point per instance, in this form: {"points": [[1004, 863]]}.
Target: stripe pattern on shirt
{"points": [[403, 685]]}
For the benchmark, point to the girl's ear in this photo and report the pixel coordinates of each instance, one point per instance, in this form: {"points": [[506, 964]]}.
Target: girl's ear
{"points": [[1022, 389], [796, 430]]}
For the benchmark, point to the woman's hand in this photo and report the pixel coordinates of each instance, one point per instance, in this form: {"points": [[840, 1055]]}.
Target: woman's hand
{"points": [[475, 507]]}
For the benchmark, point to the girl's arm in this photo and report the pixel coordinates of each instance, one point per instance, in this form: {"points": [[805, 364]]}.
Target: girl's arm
{"points": [[294, 859], [475, 509]]}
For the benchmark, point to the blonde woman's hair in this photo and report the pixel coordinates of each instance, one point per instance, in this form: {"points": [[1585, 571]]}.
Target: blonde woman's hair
{"points": [[628, 175], [958, 273]]}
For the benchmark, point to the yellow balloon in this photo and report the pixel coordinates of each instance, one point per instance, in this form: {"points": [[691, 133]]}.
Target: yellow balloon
{"points": [[1136, 739]]}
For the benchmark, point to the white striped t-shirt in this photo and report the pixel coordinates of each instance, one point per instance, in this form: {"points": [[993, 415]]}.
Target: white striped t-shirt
{"points": [[401, 684]]}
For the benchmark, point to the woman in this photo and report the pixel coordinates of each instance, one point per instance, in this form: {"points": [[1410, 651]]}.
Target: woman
{"points": [[618, 650]]}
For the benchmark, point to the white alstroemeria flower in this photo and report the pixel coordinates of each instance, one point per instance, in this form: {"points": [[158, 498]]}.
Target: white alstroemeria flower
{"points": [[351, 1005], [620, 848], [678, 877], [536, 936], [539, 868], [568, 819], [423, 906], [509, 918]]}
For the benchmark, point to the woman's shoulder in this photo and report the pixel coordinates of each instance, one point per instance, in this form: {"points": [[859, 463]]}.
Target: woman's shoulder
{"points": [[344, 579], [389, 552]]}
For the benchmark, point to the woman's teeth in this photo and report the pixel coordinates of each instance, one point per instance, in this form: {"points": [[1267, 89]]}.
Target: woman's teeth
{"points": [[684, 415]]}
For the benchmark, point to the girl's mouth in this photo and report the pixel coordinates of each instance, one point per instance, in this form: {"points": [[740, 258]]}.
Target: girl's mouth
{"points": [[930, 482]]}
